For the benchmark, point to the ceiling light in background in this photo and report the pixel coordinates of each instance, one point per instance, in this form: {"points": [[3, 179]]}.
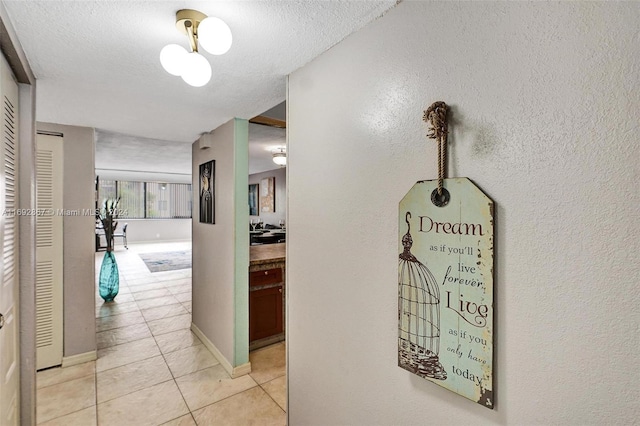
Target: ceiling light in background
{"points": [[214, 36], [280, 157]]}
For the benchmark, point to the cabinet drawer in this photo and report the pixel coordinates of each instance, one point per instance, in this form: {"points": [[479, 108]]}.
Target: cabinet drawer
{"points": [[269, 276]]}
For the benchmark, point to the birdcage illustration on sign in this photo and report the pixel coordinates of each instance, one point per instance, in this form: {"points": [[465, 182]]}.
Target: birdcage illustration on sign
{"points": [[418, 315]]}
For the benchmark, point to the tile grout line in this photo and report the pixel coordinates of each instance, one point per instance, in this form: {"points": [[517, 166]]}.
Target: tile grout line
{"points": [[96, 389], [65, 381], [173, 376], [229, 396], [68, 414], [149, 357], [265, 391], [132, 392], [258, 385], [97, 284]]}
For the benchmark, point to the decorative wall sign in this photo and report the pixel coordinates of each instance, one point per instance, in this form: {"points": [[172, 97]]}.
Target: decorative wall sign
{"points": [[267, 195], [445, 279], [445, 294], [207, 192], [253, 199]]}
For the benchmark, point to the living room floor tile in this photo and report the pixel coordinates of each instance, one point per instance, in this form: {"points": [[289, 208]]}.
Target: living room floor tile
{"points": [[126, 353], [121, 335], [150, 406], [53, 376], [167, 325], [189, 360], [176, 340], [154, 380], [165, 311], [131, 377], [211, 385], [268, 363], [65, 398], [253, 406]]}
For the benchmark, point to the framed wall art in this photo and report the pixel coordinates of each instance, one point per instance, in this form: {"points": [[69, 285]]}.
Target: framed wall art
{"points": [[207, 192], [267, 195], [253, 199]]}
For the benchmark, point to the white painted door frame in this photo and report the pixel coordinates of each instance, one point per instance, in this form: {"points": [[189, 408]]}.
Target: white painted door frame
{"points": [[9, 267]]}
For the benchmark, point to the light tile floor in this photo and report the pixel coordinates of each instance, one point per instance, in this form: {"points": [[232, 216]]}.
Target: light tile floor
{"points": [[151, 369]]}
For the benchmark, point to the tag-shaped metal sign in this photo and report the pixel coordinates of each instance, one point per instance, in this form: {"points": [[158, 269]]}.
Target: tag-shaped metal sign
{"points": [[445, 287]]}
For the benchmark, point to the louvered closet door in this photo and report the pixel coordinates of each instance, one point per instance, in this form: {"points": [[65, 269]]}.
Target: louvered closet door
{"points": [[49, 156], [9, 354]]}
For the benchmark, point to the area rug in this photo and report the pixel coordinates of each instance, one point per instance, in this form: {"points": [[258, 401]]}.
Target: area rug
{"points": [[167, 261]]}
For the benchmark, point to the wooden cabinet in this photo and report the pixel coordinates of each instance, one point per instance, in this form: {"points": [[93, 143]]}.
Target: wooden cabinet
{"points": [[265, 312], [266, 295], [266, 304]]}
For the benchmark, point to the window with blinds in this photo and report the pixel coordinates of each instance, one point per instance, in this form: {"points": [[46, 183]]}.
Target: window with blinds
{"points": [[148, 200], [131, 199]]}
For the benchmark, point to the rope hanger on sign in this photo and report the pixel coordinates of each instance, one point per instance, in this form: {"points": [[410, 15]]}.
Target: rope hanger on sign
{"points": [[436, 117]]}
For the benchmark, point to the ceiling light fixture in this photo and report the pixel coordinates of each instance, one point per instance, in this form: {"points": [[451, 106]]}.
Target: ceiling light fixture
{"points": [[280, 157], [214, 36]]}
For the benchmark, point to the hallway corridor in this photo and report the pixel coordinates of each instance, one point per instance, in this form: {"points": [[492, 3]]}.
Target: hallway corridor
{"points": [[151, 369]]}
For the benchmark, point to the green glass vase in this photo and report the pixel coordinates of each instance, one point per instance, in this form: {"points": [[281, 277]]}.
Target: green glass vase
{"points": [[109, 282]]}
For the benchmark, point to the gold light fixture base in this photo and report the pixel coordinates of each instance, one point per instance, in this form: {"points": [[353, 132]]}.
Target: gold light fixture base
{"points": [[193, 16], [187, 21]]}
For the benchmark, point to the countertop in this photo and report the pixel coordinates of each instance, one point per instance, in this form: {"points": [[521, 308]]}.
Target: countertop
{"points": [[267, 253]]}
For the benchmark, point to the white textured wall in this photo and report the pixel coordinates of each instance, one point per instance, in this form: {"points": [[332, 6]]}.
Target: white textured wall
{"points": [[213, 245], [545, 112], [157, 230], [280, 194], [221, 250]]}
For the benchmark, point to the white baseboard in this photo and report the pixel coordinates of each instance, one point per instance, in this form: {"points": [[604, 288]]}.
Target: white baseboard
{"points": [[241, 370], [234, 372], [156, 241], [68, 361]]}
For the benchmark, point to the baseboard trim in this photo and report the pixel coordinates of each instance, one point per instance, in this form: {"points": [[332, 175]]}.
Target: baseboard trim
{"points": [[68, 361], [234, 372], [181, 240], [241, 370]]}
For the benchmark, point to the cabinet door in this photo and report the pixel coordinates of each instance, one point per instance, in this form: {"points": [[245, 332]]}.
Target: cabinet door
{"points": [[265, 313]]}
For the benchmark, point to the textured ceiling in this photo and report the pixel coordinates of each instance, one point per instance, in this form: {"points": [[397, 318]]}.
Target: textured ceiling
{"points": [[120, 156], [124, 157], [97, 62]]}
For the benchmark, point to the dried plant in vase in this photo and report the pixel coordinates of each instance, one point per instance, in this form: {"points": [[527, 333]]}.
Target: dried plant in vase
{"points": [[109, 281]]}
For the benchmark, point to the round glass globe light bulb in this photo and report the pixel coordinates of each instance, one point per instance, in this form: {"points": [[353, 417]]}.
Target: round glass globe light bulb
{"points": [[197, 70], [214, 36], [172, 58]]}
